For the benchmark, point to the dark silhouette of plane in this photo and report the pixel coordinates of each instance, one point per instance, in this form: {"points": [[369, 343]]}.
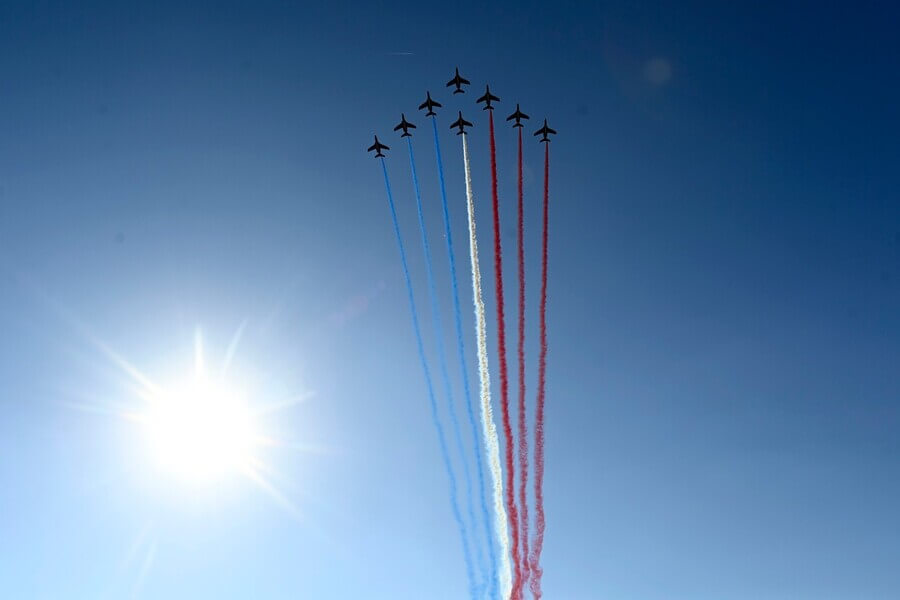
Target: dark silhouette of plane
{"points": [[461, 123], [405, 126], [488, 96], [458, 81], [430, 105], [545, 131], [378, 147], [518, 116]]}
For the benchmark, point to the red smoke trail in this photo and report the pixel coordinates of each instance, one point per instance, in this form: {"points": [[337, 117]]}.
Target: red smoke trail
{"points": [[523, 426], [536, 570], [504, 376]]}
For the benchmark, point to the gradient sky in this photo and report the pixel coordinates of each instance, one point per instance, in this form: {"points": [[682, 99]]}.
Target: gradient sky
{"points": [[725, 282]]}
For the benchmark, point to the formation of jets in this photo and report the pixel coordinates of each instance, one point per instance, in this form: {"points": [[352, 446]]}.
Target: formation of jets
{"points": [[430, 104]]}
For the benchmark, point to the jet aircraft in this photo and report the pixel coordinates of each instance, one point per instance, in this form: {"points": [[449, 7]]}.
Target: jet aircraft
{"points": [[545, 131], [378, 147], [461, 123], [518, 116], [487, 98], [458, 81], [430, 105], [405, 126]]}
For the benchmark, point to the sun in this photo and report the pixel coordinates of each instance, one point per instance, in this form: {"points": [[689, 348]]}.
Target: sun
{"points": [[201, 430], [213, 425]]}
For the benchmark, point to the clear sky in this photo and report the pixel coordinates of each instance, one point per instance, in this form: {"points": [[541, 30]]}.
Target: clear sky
{"points": [[724, 390]]}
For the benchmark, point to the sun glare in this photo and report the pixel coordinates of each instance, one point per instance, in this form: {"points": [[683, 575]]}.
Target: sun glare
{"points": [[208, 427], [201, 430]]}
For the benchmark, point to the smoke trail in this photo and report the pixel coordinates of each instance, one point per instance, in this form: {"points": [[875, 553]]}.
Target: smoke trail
{"points": [[489, 430], [442, 442], [536, 570], [460, 349], [442, 358], [504, 378], [523, 426]]}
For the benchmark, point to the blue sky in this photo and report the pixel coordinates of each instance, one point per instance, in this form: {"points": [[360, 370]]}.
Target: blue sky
{"points": [[724, 326]]}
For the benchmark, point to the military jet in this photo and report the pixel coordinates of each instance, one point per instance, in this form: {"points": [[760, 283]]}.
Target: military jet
{"points": [[545, 131], [458, 81], [461, 123], [378, 147], [405, 126], [430, 105], [518, 116], [488, 96]]}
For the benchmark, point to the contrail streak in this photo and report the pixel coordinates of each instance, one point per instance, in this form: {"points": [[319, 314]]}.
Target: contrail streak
{"points": [[489, 430], [536, 570], [442, 358], [442, 441], [460, 349], [523, 425], [504, 376]]}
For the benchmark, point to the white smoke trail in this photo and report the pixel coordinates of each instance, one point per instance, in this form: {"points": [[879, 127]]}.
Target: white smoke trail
{"points": [[489, 430]]}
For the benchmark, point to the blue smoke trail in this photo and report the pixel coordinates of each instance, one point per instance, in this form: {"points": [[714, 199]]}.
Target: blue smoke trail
{"points": [[442, 358], [435, 419], [461, 351]]}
